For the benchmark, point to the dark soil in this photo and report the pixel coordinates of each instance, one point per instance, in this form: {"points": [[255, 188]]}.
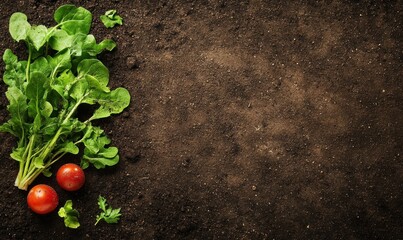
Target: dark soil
{"points": [[249, 120]]}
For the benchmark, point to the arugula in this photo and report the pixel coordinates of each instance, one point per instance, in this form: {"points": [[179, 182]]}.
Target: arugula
{"points": [[44, 92], [110, 19], [108, 214], [69, 214]]}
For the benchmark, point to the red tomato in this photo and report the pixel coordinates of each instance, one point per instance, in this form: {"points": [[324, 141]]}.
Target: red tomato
{"points": [[42, 199], [70, 177]]}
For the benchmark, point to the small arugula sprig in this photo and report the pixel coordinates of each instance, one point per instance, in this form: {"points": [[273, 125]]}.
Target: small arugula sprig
{"points": [[46, 90], [69, 214], [108, 214], [110, 19]]}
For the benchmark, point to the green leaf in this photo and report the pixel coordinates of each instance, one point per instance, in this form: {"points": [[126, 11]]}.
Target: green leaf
{"points": [[60, 62], [110, 19], [90, 46], [108, 214], [69, 147], [84, 164], [9, 58], [91, 146], [18, 110], [93, 96], [96, 152], [109, 153], [38, 162], [95, 72], [79, 89], [60, 40], [14, 74], [8, 127], [37, 36], [73, 19], [102, 203], [100, 113], [37, 124], [113, 102], [100, 162], [73, 125], [41, 65], [107, 44], [66, 77], [114, 216], [37, 86], [18, 102], [69, 214], [18, 154], [46, 109], [50, 126], [19, 26], [62, 84], [77, 42], [95, 140], [47, 173]]}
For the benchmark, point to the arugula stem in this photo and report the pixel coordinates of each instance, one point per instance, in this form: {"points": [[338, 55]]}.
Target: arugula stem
{"points": [[55, 160], [19, 176], [27, 180], [73, 110], [29, 156], [49, 147], [98, 219], [24, 165], [35, 172]]}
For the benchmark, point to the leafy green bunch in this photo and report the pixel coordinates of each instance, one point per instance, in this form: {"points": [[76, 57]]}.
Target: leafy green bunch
{"points": [[45, 91]]}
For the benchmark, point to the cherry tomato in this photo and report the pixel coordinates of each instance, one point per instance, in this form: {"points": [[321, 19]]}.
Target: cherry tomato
{"points": [[70, 177], [42, 199]]}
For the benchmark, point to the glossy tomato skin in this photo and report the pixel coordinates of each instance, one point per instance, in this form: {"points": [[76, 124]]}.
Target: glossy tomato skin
{"points": [[42, 199], [70, 177]]}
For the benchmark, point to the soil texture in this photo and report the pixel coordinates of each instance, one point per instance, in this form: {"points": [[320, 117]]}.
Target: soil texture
{"points": [[249, 120]]}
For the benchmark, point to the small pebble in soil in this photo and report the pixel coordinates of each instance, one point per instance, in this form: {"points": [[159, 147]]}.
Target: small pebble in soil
{"points": [[126, 114], [133, 62]]}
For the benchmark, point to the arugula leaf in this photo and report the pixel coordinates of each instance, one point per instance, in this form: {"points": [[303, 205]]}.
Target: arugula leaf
{"points": [[86, 45], [19, 26], [60, 40], [108, 214], [17, 154], [110, 19], [96, 151], [92, 48], [61, 61], [18, 110], [69, 214], [37, 36], [69, 147], [73, 19], [37, 87], [112, 103], [42, 65], [15, 70], [95, 73]]}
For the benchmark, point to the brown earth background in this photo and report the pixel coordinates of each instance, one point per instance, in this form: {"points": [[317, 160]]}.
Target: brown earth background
{"points": [[249, 120]]}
